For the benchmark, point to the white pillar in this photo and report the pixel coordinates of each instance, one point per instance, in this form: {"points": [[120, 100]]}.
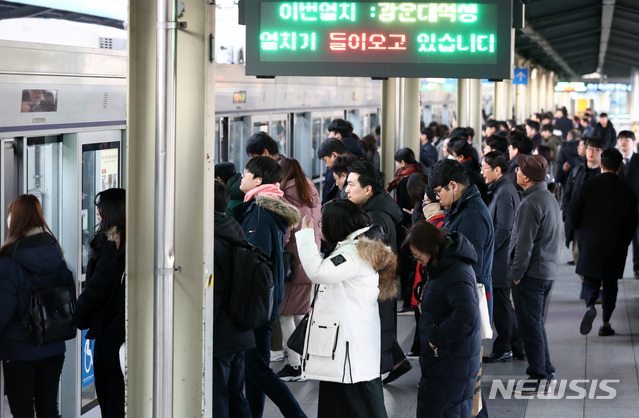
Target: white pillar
{"points": [[533, 93], [409, 120], [389, 127], [634, 81], [192, 248]]}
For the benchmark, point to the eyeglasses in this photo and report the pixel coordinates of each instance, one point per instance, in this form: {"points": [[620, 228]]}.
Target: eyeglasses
{"points": [[591, 148], [486, 168], [437, 190]]}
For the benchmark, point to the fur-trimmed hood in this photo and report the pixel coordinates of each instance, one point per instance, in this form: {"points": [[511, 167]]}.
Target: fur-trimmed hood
{"points": [[384, 261], [112, 234], [289, 213]]}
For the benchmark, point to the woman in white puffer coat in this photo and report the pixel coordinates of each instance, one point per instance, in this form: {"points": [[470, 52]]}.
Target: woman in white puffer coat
{"points": [[342, 344]]}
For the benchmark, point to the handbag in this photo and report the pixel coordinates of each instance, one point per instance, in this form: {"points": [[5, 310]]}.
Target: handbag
{"points": [[289, 266], [297, 339], [486, 329]]}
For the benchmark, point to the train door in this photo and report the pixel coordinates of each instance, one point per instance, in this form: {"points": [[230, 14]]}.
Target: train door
{"points": [[305, 150], [239, 131], [280, 132], [65, 172], [91, 162]]}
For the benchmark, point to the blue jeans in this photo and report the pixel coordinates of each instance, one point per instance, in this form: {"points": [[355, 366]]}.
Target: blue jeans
{"points": [[228, 387], [260, 379]]}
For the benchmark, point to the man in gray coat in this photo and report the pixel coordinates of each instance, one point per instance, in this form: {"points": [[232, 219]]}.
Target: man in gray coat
{"points": [[533, 255]]}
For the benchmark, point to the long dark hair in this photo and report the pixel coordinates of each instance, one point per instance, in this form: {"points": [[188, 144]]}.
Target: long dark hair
{"points": [[26, 214], [293, 171], [341, 217], [416, 186], [111, 204], [428, 239]]}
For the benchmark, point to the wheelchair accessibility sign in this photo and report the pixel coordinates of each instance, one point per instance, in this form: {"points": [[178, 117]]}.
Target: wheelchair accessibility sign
{"points": [[87, 360]]}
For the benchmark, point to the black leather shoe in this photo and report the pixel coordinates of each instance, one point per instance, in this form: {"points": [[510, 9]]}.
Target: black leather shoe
{"points": [[606, 331], [402, 369], [587, 320], [519, 355], [404, 309], [636, 274], [498, 357]]}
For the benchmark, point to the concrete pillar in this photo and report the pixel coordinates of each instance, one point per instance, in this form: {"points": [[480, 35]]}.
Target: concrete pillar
{"points": [[469, 105], [634, 81], [533, 93], [475, 110], [193, 253], [501, 101], [543, 90], [551, 102], [389, 127], [409, 114], [508, 93], [463, 102]]}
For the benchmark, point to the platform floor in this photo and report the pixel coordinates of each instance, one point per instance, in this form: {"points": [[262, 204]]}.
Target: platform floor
{"points": [[574, 356]]}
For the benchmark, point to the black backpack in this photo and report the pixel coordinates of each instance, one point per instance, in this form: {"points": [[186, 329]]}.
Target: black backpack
{"points": [[51, 313], [248, 292]]}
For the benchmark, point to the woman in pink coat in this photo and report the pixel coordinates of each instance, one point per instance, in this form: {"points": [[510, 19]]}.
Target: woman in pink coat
{"points": [[300, 192]]}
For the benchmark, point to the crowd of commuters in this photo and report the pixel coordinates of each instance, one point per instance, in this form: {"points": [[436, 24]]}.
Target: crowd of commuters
{"points": [[359, 253], [454, 215]]}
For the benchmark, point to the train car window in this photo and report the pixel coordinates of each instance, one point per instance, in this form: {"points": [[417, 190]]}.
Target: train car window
{"points": [[39, 101], [239, 132], [279, 132], [44, 171]]}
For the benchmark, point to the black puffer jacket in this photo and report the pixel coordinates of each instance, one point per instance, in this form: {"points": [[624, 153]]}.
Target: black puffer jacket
{"points": [[40, 254], [450, 321], [227, 338], [100, 306]]}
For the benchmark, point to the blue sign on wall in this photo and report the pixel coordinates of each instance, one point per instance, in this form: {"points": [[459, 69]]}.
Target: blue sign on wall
{"points": [[87, 360], [521, 76]]}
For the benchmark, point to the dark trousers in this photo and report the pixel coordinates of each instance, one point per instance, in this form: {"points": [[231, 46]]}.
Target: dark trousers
{"points": [[33, 382], [260, 379], [356, 400], [406, 266], [508, 338], [531, 297], [109, 382], [397, 352], [591, 286], [635, 251], [228, 387], [415, 348]]}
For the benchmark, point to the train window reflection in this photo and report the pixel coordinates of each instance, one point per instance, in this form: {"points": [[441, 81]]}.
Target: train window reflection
{"points": [[39, 101]]}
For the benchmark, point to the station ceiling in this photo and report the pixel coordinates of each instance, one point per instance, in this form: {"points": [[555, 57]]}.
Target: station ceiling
{"points": [[571, 37], [579, 37]]}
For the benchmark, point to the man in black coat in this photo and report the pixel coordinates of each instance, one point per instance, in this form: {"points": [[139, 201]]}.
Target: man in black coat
{"points": [[229, 341], [330, 149], [578, 175], [630, 174], [604, 215], [504, 201], [343, 130], [606, 131], [365, 187]]}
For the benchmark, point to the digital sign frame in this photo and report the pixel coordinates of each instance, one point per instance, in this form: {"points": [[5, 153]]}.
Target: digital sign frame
{"points": [[461, 39]]}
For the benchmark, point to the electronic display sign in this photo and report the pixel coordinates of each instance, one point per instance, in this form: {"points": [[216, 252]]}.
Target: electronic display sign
{"points": [[363, 38]]}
